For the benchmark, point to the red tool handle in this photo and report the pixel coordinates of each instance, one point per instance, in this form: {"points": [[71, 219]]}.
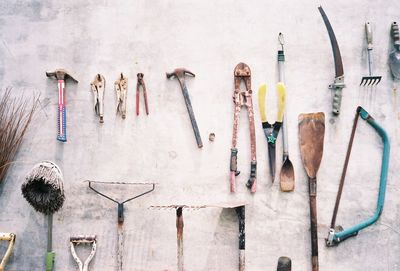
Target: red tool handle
{"points": [[62, 113]]}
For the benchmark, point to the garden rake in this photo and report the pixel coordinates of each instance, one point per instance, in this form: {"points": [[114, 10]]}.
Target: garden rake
{"points": [[10, 238], [120, 209], [83, 240]]}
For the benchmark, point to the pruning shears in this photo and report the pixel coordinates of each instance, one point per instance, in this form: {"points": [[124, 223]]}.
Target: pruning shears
{"points": [[271, 130]]}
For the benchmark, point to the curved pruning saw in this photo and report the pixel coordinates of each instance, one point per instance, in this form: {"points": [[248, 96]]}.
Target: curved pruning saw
{"points": [[336, 233], [338, 83]]}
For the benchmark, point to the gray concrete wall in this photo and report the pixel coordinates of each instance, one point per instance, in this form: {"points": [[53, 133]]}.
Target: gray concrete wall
{"points": [[210, 38]]}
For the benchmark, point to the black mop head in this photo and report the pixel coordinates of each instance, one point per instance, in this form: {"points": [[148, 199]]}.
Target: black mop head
{"points": [[43, 188]]}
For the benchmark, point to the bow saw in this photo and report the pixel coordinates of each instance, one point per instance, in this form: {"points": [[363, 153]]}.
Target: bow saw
{"points": [[336, 233]]}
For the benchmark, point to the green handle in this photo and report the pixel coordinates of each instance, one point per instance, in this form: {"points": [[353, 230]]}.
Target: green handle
{"points": [[50, 256]]}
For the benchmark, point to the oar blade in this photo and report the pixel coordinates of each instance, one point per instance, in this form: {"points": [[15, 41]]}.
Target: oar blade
{"points": [[311, 141]]}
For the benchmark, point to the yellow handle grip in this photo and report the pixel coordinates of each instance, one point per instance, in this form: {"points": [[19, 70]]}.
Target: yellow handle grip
{"points": [[280, 87], [262, 91]]}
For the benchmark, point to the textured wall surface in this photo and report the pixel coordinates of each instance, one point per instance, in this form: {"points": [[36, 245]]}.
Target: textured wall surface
{"points": [[209, 38]]}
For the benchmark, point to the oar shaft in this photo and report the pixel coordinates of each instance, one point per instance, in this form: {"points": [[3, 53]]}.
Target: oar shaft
{"points": [[313, 221]]}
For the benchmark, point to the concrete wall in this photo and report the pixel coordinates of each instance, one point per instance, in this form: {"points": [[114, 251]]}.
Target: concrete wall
{"points": [[209, 38]]}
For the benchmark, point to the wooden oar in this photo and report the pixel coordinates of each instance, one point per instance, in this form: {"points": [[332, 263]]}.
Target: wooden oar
{"points": [[311, 141]]}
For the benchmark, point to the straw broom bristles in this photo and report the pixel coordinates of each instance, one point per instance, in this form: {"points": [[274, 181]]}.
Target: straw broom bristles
{"points": [[43, 188], [15, 117]]}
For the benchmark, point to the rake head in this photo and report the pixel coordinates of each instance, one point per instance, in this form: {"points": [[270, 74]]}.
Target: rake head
{"points": [[370, 80]]}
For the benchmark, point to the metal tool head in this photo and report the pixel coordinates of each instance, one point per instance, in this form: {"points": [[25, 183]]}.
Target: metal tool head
{"points": [[61, 74], [242, 70], [180, 73], [370, 80], [9, 237], [98, 86], [140, 77], [121, 88]]}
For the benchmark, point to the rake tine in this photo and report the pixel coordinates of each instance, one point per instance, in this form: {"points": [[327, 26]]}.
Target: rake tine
{"points": [[379, 79], [370, 80]]}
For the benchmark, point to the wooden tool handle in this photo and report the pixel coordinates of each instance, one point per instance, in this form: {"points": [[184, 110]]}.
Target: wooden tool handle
{"points": [[313, 220], [368, 32]]}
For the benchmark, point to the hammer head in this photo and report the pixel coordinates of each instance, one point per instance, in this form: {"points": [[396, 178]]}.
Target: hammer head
{"points": [[61, 74], [180, 74]]}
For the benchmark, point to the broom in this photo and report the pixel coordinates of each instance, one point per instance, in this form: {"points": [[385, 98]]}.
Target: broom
{"points": [[15, 117], [43, 189]]}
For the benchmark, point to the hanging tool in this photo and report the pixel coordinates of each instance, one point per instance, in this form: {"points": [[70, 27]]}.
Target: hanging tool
{"points": [[179, 228], [394, 56], [83, 240], [284, 264], [43, 189], [311, 141], [271, 131], [140, 83], [240, 99], [369, 80], [287, 171], [61, 75], [120, 210], [338, 83], [121, 88], [16, 114], [336, 233], [10, 238], [240, 211], [180, 74], [98, 86]]}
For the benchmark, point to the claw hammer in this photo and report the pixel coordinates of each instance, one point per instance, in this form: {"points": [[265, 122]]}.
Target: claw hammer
{"points": [[61, 75], [180, 73]]}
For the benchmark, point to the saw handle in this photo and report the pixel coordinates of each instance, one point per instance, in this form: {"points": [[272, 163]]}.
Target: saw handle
{"points": [[395, 35], [368, 32]]}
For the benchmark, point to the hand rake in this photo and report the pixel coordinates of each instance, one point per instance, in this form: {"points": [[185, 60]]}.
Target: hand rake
{"points": [[370, 80], [120, 212]]}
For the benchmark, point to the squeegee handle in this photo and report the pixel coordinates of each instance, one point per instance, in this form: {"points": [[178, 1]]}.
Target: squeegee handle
{"points": [[62, 114], [50, 256]]}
